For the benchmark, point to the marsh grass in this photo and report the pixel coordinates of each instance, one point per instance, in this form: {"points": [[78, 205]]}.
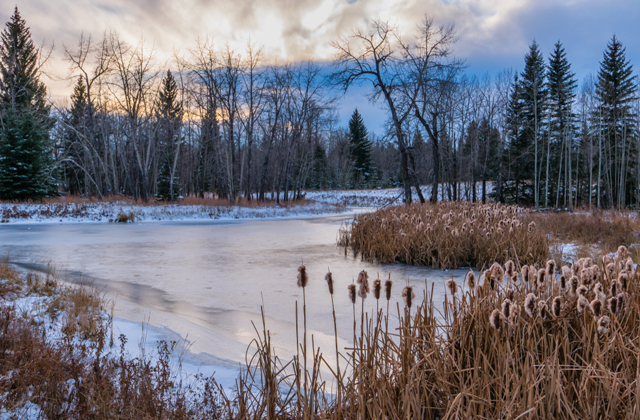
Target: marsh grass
{"points": [[445, 235]]}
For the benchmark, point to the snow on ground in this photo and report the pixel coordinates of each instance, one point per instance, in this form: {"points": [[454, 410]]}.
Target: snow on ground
{"points": [[112, 211], [318, 203]]}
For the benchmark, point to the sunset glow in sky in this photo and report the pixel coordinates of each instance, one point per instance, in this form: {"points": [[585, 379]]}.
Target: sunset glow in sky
{"points": [[493, 34]]}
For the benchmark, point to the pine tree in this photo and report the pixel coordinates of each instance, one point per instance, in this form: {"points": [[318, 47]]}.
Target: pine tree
{"points": [[561, 85], [360, 150], [169, 115], [25, 155], [615, 91], [72, 175]]}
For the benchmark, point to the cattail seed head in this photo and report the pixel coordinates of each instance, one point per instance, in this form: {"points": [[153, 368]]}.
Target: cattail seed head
{"points": [[613, 305], [387, 289], [471, 280], [509, 268], [530, 304], [377, 286], [506, 308], [543, 309], [497, 272], [622, 251], [573, 285], [582, 290], [551, 268], [628, 265], [302, 276], [541, 278], [610, 269], [582, 303], [363, 281], [495, 318], [452, 286], [352, 293], [556, 306], [603, 324], [510, 293], [329, 279], [596, 308], [563, 282], [613, 290], [622, 299], [623, 280], [525, 273], [408, 295]]}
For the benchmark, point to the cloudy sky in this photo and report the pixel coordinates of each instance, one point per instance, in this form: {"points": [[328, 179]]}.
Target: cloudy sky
{"points": [[493, 34]]}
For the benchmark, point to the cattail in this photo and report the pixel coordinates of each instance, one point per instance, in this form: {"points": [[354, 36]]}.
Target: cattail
{"points": [[603, 325], [488, 280], [582, 290], [494, 319], [514, 311], [530, 304], [606, 260], [329, 280], [387, 289], [542, 275], [566, 271], [628, 265], [453, 286], [471, 280], [506, 308], [613, 290], [533, 274], [408, 295], [302, 276], [563, 282], [509, 293], [613, 305], [610, 268], [531, 226], [556, 306], [586, 276], [363, 281], [509, 268], [377, 286], [596, 307], [352, 293], [582, 303], [576, 268], [525, 273], [623, 280], [588, 262], [551, 268], [622, 251], [622, 299], [543, 309], [497, 272]]}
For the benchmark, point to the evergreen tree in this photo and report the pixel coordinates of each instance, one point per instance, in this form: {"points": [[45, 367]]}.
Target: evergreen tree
{"points": [[615, 91], [534, 96], [519, 156], [360, 149], [169, 115], [561, 85], [25, 155], [72, 175]]}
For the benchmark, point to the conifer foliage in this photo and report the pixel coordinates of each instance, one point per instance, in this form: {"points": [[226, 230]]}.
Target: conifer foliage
{"points": [[360, 150], [25, 156], [169, 137]]}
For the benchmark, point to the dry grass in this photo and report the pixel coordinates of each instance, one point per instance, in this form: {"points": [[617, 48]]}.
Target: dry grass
{"points": [[607, 229], [445, 235]]}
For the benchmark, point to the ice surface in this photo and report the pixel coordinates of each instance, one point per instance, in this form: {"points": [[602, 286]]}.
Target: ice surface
{"points": [[205, 282]]}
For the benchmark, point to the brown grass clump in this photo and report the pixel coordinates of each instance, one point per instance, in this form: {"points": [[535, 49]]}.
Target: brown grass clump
{"points": [[446, 235]]}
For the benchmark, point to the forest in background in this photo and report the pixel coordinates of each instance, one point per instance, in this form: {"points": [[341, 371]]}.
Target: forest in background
{"points": [[227, 123]]}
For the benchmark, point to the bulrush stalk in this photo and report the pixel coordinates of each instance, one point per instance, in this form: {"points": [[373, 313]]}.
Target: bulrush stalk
{"points": [[329, 279]]}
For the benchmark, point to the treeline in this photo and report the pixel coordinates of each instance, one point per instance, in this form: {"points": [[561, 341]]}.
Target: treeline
{"points": [[217, 121]]}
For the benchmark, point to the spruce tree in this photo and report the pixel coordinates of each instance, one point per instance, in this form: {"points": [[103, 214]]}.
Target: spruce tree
{"points": [[75, 122], [534, 97], [360, 150], [519, 156], [25, 155], [615, 92], [562, 92], [169, 116]]}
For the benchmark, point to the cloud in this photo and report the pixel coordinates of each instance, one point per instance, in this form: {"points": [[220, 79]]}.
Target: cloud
{"points": [[493, 34]]}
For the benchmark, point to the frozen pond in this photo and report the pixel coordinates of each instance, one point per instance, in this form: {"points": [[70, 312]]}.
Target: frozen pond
{"points": [[205, 282]]}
